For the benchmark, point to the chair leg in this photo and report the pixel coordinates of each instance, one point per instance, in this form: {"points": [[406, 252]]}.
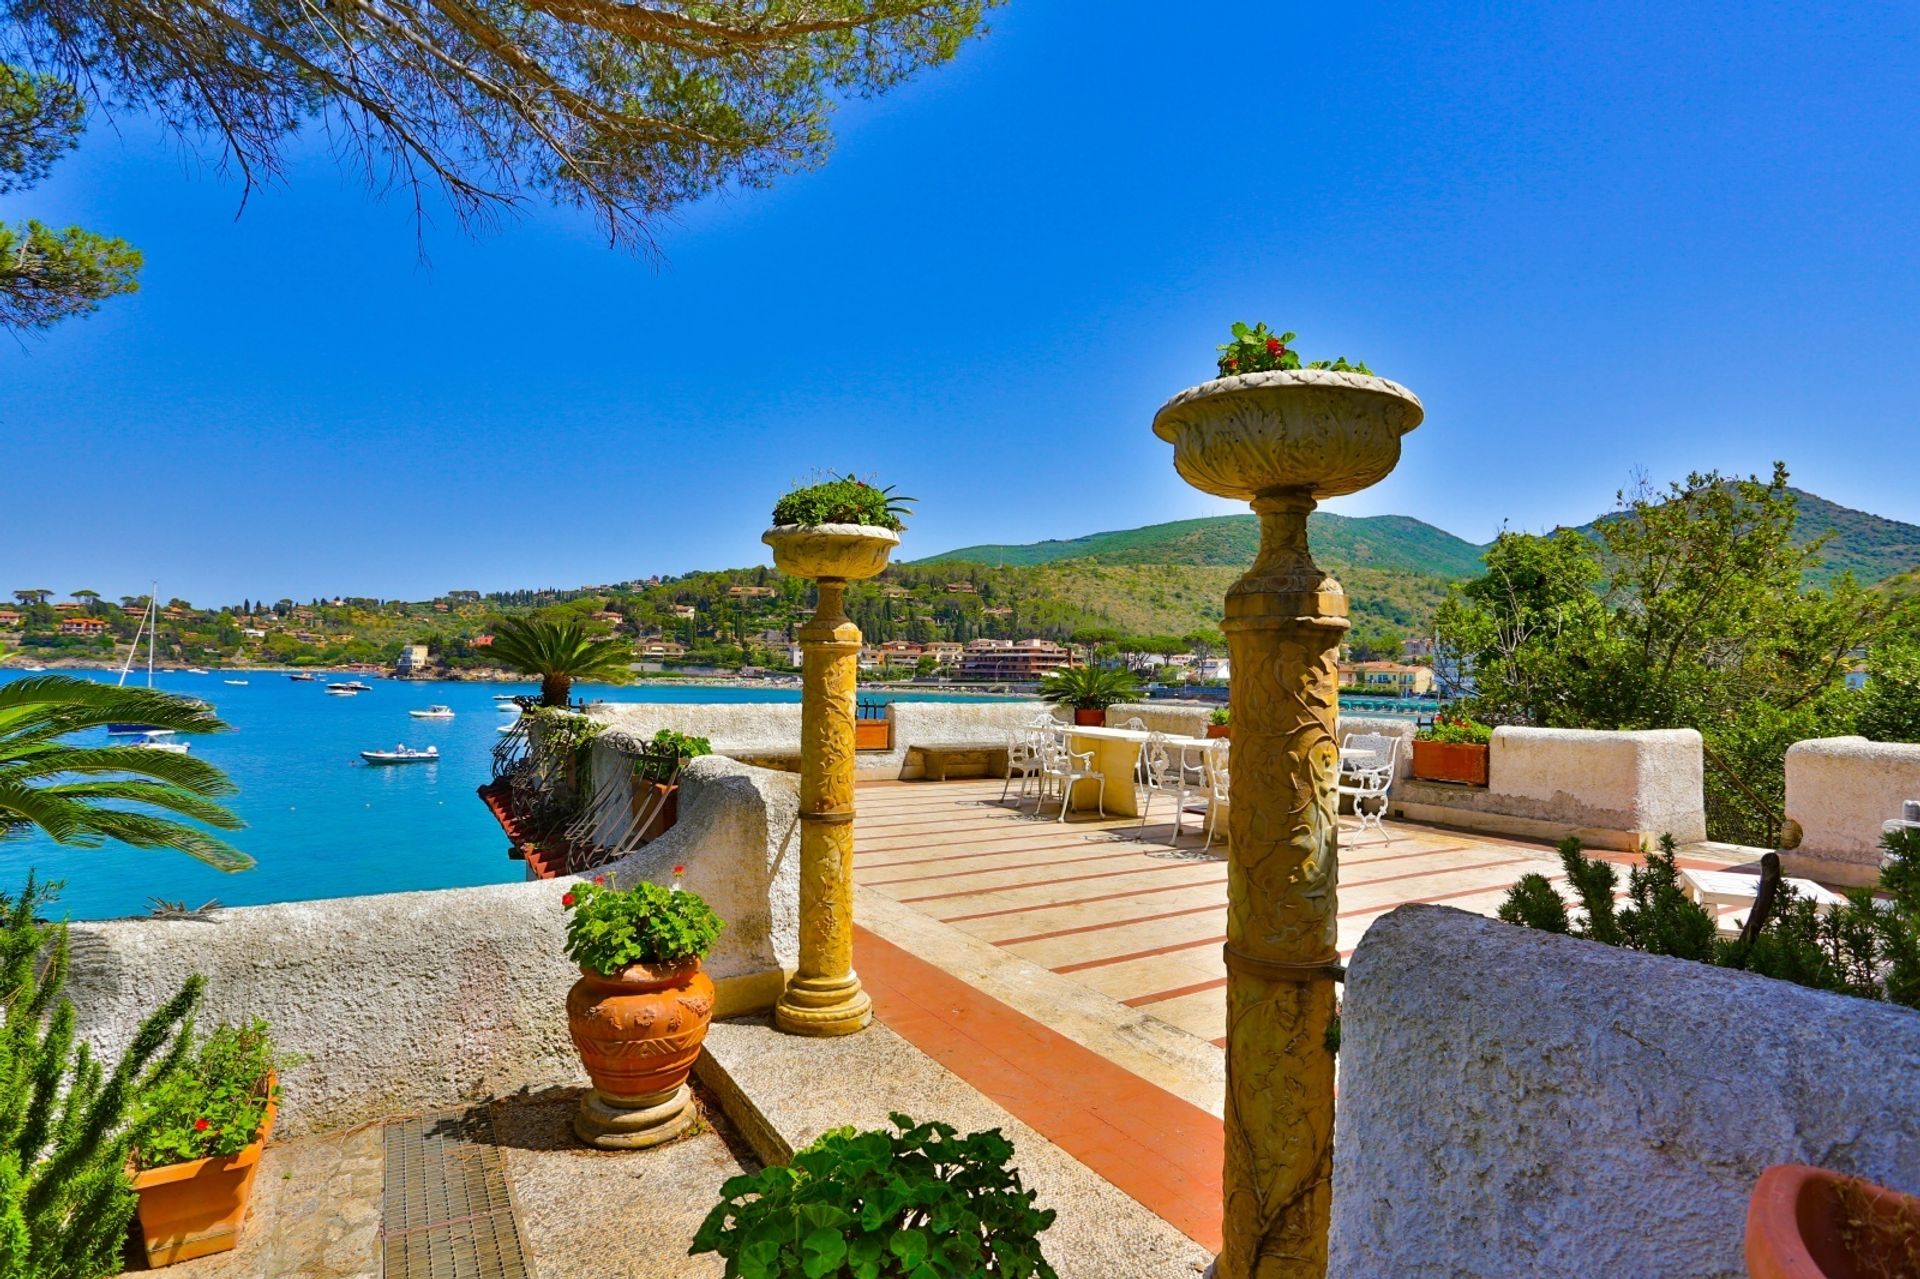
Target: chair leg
{"points": [[1101, 794]]}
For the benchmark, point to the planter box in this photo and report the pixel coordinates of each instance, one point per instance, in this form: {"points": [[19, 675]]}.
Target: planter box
{"points": [[1089, 718], [872, 735], [1461, 762], [196, 1209], [1219, 730]]}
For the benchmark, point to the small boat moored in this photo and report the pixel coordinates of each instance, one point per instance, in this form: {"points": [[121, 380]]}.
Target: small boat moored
{"points": [[301, 677], [402, 755], [156, 740], [436, 711], [237, 682], [198, 670]]}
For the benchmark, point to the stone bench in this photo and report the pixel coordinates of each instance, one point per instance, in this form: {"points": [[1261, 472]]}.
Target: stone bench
{"points": [[938, 761]]}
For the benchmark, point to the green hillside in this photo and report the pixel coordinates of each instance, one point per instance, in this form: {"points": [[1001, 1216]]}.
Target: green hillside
{"points": [[1341, 543]]}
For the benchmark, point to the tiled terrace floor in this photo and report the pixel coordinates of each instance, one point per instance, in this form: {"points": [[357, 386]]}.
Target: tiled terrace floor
{"points": [[1121, 910]]}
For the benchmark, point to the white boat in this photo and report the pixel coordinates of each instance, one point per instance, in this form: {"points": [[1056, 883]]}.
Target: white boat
{"points": [[342, 690], [353, 685], [402, 755], [36, 670], [198, 670], [436, 711], [156, 741], [504, 697], [240, 682], [507, 728]]}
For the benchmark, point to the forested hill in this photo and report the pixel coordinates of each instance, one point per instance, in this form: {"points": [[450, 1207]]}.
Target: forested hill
{"points": [[1390, 542]]}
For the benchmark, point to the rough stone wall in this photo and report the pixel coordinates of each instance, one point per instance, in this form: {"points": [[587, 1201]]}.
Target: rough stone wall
{"points": [[1648, 782], [409, 1001], [1839, 791], [1515, 1103]]}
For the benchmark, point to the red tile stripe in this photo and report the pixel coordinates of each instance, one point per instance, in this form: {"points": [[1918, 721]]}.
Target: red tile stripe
{"points": [[1160, 1149], [1058, 879]]}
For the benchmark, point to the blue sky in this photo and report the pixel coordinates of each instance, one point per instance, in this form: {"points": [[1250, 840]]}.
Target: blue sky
{"points": [[1593, 238]]}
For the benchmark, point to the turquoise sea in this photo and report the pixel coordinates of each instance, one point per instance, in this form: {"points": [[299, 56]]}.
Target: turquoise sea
{"points": [[320, 823]]}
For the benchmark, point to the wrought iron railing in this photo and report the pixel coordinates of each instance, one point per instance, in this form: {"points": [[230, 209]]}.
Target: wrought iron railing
{"points": [[1737, 811], [869, 708]]}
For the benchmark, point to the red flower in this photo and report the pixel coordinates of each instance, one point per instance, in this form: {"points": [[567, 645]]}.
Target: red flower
{"points": [[201, 1125], [1274, 346], [679, 870], [567, 899], [600, 879]]}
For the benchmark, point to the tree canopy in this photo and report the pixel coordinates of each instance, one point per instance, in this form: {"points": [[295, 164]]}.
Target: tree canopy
{"points": [[623, 107]]}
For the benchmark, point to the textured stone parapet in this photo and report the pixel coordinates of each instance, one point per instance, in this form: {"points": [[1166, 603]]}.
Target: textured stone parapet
{"points": [[1840, 791], [1613, 789], [1516, 1103], [414, 1001]]}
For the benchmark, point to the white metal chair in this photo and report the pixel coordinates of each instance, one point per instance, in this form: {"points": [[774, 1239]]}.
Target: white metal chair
{"points": [[1023, 761], [1364, 785], [1367, 752], [1176, 769], [1064, 766], [1219, 786], [1134, 724]]}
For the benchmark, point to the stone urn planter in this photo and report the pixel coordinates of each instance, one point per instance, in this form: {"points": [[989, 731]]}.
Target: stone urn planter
{"points": [[638, 1032], [1464, 763], [831, 552], [1810, 1223], [196, 1209]]}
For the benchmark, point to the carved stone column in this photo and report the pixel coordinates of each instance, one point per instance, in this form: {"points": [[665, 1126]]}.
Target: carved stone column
{"points": [[824, 997], [1281, 440]]}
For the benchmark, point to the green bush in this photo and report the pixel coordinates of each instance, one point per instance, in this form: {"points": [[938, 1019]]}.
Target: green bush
{"points": [[920, 1202], [610, 928], [1456, 730], [842, 499], [214, 1103], [1090, 688], [1258, 349], [1220, 715], [67, 1126], [1863, 947]]}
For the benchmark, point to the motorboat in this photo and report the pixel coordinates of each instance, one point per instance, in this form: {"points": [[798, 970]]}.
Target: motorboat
{"points": [[198, 670], [301, 677], [403, 755], [156, 740], [504, 697], [237, 682], [35, 670], [436, 711], [355, 685], [343, 690]]}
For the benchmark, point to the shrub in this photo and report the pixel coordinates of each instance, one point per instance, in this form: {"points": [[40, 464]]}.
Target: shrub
{"points": [[1456, 730], [66, 1125], [1090, 688], [669, 748], [610, 928], [1864, 947], [919, 1202], [1220, 715], [1260, 350], [682, 744], [214, 1103], [842, 499]]}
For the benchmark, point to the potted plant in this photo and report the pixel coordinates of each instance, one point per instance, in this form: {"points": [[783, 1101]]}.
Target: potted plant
{"points": [[1090, 690], [655, 774], [639, 1012], [204, 1124], [1220, 722], [1452, 749], [1811, 1223], [839, 529], [920, 1200]]}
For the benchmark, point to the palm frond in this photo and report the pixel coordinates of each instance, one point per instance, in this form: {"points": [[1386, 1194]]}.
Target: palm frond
{"points": [[53, 759], [144, 830], [174, 799]]}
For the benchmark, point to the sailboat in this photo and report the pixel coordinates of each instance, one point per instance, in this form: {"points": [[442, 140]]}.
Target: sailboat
{"points": [[150, 626]]}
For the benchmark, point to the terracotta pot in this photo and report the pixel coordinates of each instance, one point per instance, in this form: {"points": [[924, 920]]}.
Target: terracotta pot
{"points": [[1219, 730], [1809, 1223], [1464, 762], [1087, 717], [195, 1209], [638, 1031]]}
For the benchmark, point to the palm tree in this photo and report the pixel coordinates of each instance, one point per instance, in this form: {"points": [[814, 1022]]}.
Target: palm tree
{"points": [[558, 653], [85, 795]]}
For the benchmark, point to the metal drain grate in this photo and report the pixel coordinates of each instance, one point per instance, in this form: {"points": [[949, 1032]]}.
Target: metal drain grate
{"points": [[445, 1209]]}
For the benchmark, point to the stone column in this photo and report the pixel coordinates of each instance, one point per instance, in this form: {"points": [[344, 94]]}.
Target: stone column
{"points": [[1283, 623], [1283, 440], [824, 997]]}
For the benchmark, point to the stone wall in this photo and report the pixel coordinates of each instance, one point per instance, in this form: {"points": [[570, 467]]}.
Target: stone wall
{"points": [[1839, 792], [750, 728], [413, 1001], [1612, 789], [1515, 1103]]}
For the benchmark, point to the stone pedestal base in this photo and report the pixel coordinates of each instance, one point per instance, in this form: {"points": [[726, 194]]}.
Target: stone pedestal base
{"points": [[823, 1007], [633, 1123]]}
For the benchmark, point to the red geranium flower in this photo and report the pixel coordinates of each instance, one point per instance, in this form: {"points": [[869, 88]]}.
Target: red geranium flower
{"points": [[600, 879], [566, 899], [1274, 346], [679, 870], [201, 1125]]}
